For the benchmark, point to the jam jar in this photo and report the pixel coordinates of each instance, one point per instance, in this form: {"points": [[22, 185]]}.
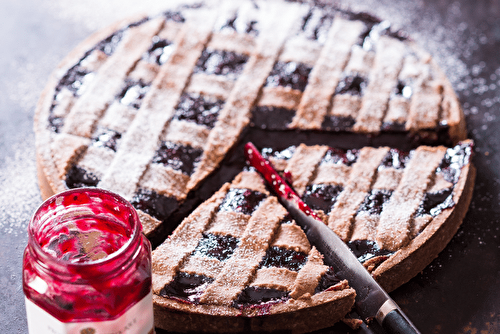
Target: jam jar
{"points": [[87, 266]]}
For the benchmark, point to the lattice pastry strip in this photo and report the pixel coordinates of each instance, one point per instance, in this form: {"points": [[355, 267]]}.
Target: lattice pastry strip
{"points": [[388, 62], [326, 73], [394, 226]]}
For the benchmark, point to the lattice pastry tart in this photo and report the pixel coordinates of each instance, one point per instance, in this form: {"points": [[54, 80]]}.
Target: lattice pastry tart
{"points": [[157, 108], [240, 254]]}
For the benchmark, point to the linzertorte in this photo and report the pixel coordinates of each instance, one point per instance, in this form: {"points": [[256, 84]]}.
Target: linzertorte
{"points": [[157, 108]]}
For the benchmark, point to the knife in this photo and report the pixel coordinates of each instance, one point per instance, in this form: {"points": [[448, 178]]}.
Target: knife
{"points": [[371, 302]]}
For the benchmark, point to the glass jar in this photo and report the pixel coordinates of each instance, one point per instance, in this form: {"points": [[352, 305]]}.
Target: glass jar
{"points": [[87, 266]]}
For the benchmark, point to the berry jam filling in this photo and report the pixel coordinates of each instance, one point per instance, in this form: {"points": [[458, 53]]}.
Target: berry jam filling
{"points": [[74, 79], [374, 201], [351, 84], [321, 196], [436, 202], [154, 204], [159, 52], [338, 123], [241, 200], [55, 123], [107, 138], [316, 24], [453, 161], [289, 74], [393, 126], [327, 280], [221, 62], [285, 154], [287, 220], [239, 25], [403, 90], [336, 156], [186, 287], [174, 16], [217, 246], [133, 93], [272, 118], [366, 249], [255, 295], [395, 159], [109, 45], [78, 177], [199, 109], [178, 157], [283, 258]]}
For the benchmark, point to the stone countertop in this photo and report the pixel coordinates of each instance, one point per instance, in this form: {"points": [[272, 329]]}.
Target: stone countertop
{"points": [[458, 293]]}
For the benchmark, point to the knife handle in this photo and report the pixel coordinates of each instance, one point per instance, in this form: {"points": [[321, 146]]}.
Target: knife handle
{"points": [[396, 323]]}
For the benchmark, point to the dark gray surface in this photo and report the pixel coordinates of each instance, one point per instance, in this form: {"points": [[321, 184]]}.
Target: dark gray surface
{"points": [[458, 293]]}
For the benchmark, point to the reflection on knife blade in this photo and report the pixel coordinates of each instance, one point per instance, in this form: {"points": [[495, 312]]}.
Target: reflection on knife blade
{"points": [[372, 302]]}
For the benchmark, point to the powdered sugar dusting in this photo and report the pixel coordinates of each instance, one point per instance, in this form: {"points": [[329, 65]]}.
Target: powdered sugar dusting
{"points": [[20, 195], [96, 14]]}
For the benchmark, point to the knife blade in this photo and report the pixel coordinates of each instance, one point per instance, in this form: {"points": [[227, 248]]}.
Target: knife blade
{"points": [[371, 302]]}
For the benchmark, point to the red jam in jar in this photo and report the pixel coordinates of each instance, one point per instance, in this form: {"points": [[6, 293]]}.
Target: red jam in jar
{"points": [[87, 266]]}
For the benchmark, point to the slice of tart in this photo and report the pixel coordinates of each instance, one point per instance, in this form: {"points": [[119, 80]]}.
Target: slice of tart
{"points": [[240, 263], [396, 210], [153, 107]]}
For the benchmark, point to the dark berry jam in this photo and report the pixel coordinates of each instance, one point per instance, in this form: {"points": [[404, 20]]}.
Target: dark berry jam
{"points": [[336, 156], [186, 287], [366, 249], [218, 246], [289, 74], [154, 204], [453, 161], [199, 109], [327, 280], [338, 123], [109, 44], [287, 220], [255, 295], [239, 25], [159, 51], [174, 16], [393, 126], [284, 258], [374, 201], [321, 196], [272, 118], [221, 62], [403, 90], [55, 123], [316, 24], [351, 84], [73, 80], [395, 159], [133, 93], [77, 177], [436, 202], [285, 154], [241, 200], [178, 157], [107, 138]]}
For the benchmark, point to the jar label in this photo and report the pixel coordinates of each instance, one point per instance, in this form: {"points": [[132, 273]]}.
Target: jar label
{"points": [[136, 320]]}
